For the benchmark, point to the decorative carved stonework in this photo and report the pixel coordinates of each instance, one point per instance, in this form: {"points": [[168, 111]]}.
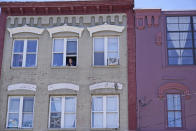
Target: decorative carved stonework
{"points": [[140, 22], [106, 85], [159, 38]]}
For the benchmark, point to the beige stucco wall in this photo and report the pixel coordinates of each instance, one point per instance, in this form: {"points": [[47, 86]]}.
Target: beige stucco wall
{"points": [[83, 75]]}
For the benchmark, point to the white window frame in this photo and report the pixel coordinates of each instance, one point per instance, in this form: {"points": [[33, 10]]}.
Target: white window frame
{"points": [[174, 111], [20, 111], [24, 54], [105, 49], [62, 112], [104, 110], [64, 51]]}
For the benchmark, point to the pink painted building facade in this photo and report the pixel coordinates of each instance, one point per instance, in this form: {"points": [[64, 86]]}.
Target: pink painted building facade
{"points": [[166, 70]]}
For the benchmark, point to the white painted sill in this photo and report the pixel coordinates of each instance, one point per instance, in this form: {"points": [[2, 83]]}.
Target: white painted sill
{"points": [[61, 129], [24, 68], [112, 66], [64, 67], [105, 129]]}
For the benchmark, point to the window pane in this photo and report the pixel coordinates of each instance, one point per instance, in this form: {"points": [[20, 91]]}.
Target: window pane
{"points": [[58, 59], [55, 104], [172, 27], [17, 60], [70, 104], [184, 19], [30, 60], [178, 119], [174, 60], [185, 27], [187, 60], [195, 26], [171, 120], [31, 45], [173, 44], [98, 58], [187, 52], [58, 45], [112, 103], [27, 120], [173, 53], [177, 104], [194, 19], [71, 47], [112, 120], [55, 120], [99, 44], [112, 55], [13, 120], [186, 43], [14, 105], [173, 36], [170, 102], [18, 45], [97, 104], [97, 120], [185, 35], [70, 120], [28, 104], [112, 44], [172, 19]]}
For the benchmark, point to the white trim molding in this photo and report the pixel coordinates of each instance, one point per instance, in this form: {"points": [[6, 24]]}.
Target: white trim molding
{"points": [[105, 27], [106, 85], [25, 29], [63, 86], [22, 86], [65, 28]]}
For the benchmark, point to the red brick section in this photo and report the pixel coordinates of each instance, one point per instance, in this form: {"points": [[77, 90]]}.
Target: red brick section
{"points": [[176, 86], [132, 90], [2, 35]]}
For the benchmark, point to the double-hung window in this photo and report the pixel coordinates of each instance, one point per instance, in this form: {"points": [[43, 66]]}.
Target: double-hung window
{"points": [[62, 112], [64, 52], [105, 111], [181, 40], [24, 53], [174, 111], [20, 112], [106, 51]]}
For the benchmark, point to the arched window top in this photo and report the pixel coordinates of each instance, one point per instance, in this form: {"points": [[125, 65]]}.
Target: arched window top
{"points": [[65, 28], [106, 85], [174, 86], [25, 29], [105, 27], [22, 86], [63, 86]]}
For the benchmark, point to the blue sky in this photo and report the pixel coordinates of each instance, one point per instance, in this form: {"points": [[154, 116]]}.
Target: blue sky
{"points": [[163, 4]]}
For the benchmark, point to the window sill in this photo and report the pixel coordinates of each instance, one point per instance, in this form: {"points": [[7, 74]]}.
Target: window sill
{"points": [[105, 129], [112, 66], [18, 129], [64, 67], [23, 67], [175, 128], [61, 129]]}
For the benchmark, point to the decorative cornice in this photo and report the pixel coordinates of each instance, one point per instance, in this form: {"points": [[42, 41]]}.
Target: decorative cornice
{"points": [[63, 86], [105, 27], [22, 86], [106, 85], [176, 86], [65, 28], [148, 15], [25, 29]]}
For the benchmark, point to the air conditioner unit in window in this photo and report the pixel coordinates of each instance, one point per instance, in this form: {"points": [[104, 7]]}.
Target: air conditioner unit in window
{"points": [[113, 61]]}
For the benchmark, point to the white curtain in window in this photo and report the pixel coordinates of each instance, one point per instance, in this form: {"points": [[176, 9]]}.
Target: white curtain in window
{"points": [[70, 104], [97, 120]]}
